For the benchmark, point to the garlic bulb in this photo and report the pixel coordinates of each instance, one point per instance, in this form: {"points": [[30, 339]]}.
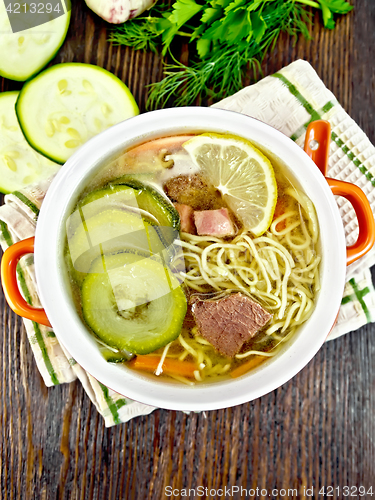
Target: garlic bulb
{"points": [[119, 11]]}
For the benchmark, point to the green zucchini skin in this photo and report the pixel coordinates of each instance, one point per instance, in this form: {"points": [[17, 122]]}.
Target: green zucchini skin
{"points": [[152, 201], [107, 232], [42, 102], [146, 196], [143, 196], [137, 305], [113, 356], [131, 299], [20, 165], [122, 192], [23, 69]]}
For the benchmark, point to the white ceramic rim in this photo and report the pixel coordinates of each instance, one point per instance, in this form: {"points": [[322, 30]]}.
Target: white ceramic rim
{"points": [[79, 343]]}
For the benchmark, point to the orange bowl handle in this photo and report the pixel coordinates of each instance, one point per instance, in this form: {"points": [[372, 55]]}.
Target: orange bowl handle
{"points": [[318, 133], [366, 222], [9, 279]]}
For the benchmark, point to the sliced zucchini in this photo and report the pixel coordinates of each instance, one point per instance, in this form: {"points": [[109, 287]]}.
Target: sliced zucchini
{"points": [[20, 164], [25, 53], [119, 194], [114, 356], [152, 201], [67, 104], [120, 197], [137, 305], [90, 236], [138, 195]]}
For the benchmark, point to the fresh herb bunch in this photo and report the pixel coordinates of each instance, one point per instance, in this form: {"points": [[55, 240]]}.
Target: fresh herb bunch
{"points": [[228, 37]]}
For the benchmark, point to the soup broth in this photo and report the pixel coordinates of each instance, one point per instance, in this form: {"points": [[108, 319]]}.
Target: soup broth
{"points": [[135, 247]]}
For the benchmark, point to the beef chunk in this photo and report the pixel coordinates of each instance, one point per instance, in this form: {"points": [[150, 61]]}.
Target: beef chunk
{"points": [[228, 322], [186, 214], [214, 223], [194, 191]]}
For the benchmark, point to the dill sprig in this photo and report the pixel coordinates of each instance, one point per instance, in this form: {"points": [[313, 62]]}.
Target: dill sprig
{"points": [[141, 33], [227, 38], [209, 78], [139, 36]]}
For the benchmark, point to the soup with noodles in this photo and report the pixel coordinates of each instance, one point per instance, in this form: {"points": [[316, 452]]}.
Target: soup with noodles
{"points": [[193, 258]]}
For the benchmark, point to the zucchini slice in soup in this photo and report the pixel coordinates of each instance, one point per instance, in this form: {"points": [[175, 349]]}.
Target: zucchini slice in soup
{"points": [[113, 355], [107, 232], [137, 304], [69, 103], [136, 194]]}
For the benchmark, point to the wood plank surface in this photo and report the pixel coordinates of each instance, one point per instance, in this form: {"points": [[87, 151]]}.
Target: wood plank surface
{"points": [[316, 430]]}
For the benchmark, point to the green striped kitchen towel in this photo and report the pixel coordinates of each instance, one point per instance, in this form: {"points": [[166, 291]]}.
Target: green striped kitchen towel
{"points": [[288, 101]]}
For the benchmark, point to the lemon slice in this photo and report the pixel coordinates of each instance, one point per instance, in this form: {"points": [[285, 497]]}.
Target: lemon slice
{"points": [[242, 174]]}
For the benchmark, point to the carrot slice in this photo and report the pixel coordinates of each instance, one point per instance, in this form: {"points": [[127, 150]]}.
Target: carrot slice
{"points": [[171, 143], [252, 363], [170, 366], [280, 208]]}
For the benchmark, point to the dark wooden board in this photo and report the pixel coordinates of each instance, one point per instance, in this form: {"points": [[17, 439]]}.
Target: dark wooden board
{"points": [[316, 430]]}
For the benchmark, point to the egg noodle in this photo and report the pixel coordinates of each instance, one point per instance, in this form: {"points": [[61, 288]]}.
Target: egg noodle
{"points": [[278, 269]]}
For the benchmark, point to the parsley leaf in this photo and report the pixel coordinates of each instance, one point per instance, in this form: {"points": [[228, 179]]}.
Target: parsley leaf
{"points": [[227, 38], [337, 6], [183, 11], [259, 26]]}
